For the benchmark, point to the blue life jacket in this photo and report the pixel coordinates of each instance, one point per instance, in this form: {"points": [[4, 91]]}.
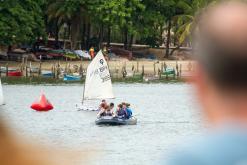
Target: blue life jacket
{"points": [[122, 113], [129, 113]]}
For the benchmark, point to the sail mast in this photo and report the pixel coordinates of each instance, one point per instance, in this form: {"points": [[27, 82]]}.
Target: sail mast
{"points": [[83, 91]]}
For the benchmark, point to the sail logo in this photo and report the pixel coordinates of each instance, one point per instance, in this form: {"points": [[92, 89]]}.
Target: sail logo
{"points": [[101, 61]]}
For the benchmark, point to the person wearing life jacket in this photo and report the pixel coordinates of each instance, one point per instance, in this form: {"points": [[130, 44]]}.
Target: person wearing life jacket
{"points": [[121, 113], [109, 110], [91, 52], [127, 110]]}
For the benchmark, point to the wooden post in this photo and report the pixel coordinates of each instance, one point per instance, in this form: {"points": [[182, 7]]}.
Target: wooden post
{"points": [[143, 71], [54, 69], [133, 68], [124, 73], [30, 69], [189, 66], [40, 64], [162, 67], [165, 66], [137, 67], [159, 72], [177, 69], [180, 70], [26, 70], [154, 68], [7, 69], [57, 71]]}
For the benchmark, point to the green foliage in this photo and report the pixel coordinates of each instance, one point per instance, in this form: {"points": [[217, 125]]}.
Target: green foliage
{"points": [[187, 20], [20, 21]]}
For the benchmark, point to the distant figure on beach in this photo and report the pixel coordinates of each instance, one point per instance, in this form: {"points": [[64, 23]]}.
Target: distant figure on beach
{"points": [[91, 52], [220, 43]]}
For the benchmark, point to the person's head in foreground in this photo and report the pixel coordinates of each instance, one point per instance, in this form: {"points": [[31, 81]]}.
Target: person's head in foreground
{"points": [[220, 44]]}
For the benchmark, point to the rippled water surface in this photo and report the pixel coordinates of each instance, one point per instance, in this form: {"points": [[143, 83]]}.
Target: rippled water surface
{"points": [[165, 112]]}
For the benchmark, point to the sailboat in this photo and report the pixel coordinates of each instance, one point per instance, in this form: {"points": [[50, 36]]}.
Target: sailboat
{"points": [[1, 94], [98, 84]]}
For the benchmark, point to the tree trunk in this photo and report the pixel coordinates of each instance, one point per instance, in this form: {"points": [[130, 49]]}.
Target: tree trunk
{"points": [[88, 35], [131, 41], [101, 34], [56, 35], [168, 38], [109, 36], [75, 30], [125, 38], [64, 37], [83, 38], [69, 34]]}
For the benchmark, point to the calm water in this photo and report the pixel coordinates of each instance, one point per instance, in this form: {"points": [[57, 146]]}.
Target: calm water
{"points": [[165, 112]]}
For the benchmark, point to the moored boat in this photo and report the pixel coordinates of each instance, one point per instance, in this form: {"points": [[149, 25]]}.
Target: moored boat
{"points": [[109, 120], [71, 78], [47, 73], [14, 73]]}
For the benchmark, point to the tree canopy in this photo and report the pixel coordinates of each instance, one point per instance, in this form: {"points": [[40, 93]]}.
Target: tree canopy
{"points": [[154, 23], [21, 21]]}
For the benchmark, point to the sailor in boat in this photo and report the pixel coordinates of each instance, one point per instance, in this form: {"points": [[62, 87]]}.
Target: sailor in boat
{"points": [[107, 110], [102, 105], [121, 113], [128, 110]]}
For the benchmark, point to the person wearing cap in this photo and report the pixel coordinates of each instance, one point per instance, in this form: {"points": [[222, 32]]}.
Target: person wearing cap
{"points": [[220, 81]]}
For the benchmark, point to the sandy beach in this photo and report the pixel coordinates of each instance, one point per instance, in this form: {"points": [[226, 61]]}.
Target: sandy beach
{"points": [[150, 67]]}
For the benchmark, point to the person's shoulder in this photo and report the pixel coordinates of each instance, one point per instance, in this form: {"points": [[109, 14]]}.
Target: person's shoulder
{"points": [[216, 148]]}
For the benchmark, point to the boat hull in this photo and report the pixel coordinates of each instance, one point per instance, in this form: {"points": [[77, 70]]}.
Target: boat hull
{"points": [[71, 78], [115, 121], [15, 74]]}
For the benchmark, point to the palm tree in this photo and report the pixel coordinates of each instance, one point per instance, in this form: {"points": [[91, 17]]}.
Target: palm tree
{"points": [[71, 12], [187, 20]]}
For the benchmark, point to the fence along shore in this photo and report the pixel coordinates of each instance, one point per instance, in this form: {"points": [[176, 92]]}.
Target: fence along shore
{"points": [[118, 69]]}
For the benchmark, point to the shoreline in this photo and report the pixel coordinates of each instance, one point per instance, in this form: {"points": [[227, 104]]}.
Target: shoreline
{"points": [[52, 81]]}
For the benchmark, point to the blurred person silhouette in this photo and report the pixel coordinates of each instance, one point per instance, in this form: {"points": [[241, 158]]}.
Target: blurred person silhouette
{"points": [[220, 46], [18, 151]]}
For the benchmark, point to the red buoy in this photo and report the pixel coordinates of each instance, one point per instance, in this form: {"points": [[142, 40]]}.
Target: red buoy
{"points": [[42, 105]]}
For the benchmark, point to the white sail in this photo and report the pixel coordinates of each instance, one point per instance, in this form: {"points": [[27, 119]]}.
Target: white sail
{"points": [[98, 83], [1, 94]]}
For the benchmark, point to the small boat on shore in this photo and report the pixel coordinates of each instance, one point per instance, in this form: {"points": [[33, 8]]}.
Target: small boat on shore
{"points": [[46, 73], [109, 120], [15, 73], [71, 78]]}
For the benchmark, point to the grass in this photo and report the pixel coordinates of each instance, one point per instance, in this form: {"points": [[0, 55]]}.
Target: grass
{"points": [[43, 80]]}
